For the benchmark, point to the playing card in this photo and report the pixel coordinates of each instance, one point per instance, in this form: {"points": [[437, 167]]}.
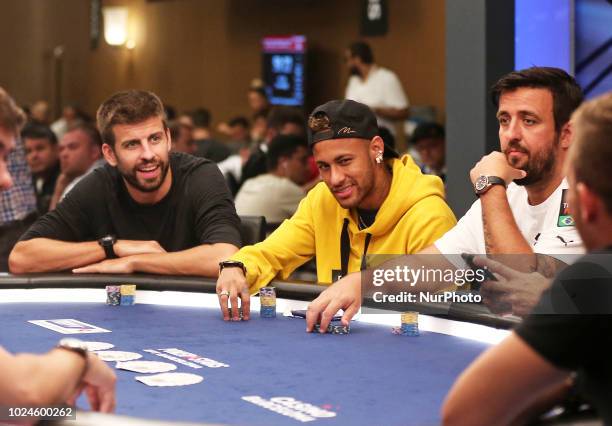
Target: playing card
{"points": [[98, 346], [170, 379], [146, 366], [117, 355], [69, 326]]}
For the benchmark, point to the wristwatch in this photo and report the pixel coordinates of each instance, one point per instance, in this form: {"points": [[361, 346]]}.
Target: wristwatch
{"points": [[107, 242], [483, 183], [232, 264], [77, 346], [74, 345]]}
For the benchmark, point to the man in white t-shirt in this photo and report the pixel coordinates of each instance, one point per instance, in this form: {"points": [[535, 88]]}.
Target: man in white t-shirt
{"points": [[276, 194], [375, 86], [522, 208]]}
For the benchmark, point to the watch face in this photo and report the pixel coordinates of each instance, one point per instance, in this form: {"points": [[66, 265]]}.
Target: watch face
{"points": [[107, 240], [481, 183]]}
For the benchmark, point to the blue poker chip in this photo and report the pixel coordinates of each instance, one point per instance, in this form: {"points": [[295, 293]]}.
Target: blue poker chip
{"points": [[406, 331]]}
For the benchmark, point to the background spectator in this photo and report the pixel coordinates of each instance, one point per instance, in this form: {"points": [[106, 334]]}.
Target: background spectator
{"points": [[429, 142], [207, 146], [79, 153], [43, 159], [375, 86], [17, 201], [182, 141], [276, 194]]}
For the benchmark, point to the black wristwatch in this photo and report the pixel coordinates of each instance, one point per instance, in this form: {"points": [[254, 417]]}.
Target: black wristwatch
{"points": [[107, 242], [232, 264], [483, 183]]}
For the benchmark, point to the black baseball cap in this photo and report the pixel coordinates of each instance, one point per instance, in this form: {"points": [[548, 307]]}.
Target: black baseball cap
{"points": [[344, 119]]}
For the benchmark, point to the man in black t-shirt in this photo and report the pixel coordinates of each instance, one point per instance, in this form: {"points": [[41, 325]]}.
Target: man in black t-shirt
{"points": [[571, 328], [145, 211]]}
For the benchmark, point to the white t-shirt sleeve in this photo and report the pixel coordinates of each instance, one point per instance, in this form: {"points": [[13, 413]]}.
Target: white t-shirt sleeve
{"points": [[394, 92], [465, 237], [290, 199]]}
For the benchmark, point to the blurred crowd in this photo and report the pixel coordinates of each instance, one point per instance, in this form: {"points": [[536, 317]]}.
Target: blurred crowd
{"points": [[265, 152]]}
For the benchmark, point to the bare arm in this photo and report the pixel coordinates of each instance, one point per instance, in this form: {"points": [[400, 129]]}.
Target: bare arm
{"points": [[504, 240], [202, 260], [47, 255], [525, 375], [502, 234], [37, 380], [56, 377]]}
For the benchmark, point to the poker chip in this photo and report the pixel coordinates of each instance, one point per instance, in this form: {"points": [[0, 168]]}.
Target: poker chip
{"points": [[145, 366], [267, 291], [409, 325], [240, 315], [334, 329], [170, 379], [117, 356], [98, 346], [267, 302], [128, 290], [127, 300], [113, 295]]}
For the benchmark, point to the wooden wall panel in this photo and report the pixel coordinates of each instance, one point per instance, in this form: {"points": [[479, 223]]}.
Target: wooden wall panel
{"points": [[205, 52]]}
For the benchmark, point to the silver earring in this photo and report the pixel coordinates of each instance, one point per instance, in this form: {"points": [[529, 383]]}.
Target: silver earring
{"points": [[379, 157]]}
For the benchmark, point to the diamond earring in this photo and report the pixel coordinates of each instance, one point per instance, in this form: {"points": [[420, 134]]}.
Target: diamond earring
{"points": [[379, 157]]}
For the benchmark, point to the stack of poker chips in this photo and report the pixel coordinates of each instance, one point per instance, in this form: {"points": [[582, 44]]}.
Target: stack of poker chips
{"points": [[410, 324], [113, 295], [128, 293], [267, 300], [334, 329]]}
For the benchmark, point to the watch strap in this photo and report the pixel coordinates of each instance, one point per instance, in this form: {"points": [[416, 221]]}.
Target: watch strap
{"points": [[232, 264], [107, 243], [496, 180], [488, 181]]}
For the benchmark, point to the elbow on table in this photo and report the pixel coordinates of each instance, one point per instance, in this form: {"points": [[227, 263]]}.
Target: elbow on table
{"points": [[19, 262]]}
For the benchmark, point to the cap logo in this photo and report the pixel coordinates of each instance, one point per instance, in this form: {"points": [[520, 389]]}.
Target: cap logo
{"points": [[346, 131]]}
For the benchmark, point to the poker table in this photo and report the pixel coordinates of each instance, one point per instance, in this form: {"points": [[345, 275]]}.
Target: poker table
{"points": [[266, 371]]}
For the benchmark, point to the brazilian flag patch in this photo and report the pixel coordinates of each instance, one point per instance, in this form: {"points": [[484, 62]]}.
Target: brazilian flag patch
{"points": [[564, 216]]}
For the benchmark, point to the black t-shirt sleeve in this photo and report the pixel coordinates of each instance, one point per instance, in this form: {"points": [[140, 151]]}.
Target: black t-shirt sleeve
{"points": [[72, 218], [563, 340], [566, 325], [216, 220]]}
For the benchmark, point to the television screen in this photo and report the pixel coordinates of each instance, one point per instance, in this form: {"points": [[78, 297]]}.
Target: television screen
{"points": [[284, 61]]}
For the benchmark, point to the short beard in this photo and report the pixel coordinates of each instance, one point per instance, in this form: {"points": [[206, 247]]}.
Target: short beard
{"points": [[133, 181], [538, 170]]}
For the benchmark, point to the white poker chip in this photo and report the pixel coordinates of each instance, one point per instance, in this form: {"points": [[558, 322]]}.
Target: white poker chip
{"points": [[117, 356], [146, 366], [170, 379], [98, 346]]}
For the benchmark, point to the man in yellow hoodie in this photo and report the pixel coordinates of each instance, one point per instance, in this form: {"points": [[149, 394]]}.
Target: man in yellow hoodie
{"points": [[371, 202]]}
